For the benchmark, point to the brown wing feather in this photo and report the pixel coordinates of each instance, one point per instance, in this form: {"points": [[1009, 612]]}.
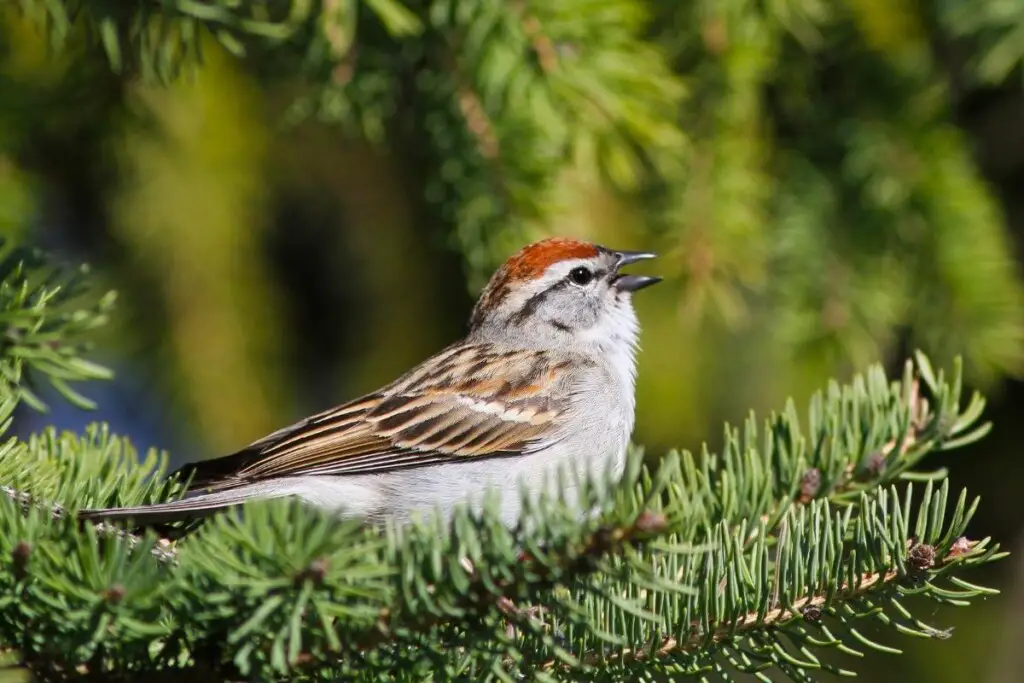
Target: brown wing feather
{"points": [[457, 405]]}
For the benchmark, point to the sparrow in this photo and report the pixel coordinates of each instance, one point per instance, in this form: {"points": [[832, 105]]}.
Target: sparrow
{"points": [[544, 378]]}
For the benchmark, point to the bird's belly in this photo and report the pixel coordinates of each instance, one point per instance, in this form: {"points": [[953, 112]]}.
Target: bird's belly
{"points": [[448, 485], [404, 494]]}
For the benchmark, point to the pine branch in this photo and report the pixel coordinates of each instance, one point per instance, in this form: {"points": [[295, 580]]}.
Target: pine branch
{"points": [[485, 594], [44, 317], [808, 608], [670, 567], [754, 558], [543, 47], [752, 630], [163, 552], [995, 32], [160, 40], [568, 592]]}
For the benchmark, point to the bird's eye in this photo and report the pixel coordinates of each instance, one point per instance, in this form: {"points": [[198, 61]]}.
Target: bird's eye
{"points": [[581, 275]]}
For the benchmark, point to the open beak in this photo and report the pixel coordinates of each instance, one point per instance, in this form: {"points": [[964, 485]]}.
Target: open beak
{"points": [[632, 283]]}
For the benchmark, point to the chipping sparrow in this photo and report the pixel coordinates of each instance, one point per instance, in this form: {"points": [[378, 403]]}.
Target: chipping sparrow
{"points": [[545, 377]]}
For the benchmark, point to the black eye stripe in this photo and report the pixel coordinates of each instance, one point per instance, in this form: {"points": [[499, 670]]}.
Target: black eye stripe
{"points": [[534, 302]]}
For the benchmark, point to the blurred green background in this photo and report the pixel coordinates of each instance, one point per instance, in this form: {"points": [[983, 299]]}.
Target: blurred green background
{"points": [[829, 185]]}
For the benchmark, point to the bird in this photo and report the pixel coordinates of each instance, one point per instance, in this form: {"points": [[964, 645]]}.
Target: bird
{"points": [[544, 378]]}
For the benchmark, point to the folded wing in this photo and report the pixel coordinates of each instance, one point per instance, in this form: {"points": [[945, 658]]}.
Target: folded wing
{"points": [[469, 401]]}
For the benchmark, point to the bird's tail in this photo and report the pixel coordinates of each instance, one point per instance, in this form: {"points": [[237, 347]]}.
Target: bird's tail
{"points": [[210, 489], [191, 508]]}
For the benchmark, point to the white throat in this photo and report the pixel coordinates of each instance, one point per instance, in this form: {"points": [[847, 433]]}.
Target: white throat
{"points": [[616, 339]]}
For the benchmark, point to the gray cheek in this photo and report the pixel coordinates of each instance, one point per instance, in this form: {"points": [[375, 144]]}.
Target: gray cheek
{"points": [[584, 312], [572, 310], [598, 308]]}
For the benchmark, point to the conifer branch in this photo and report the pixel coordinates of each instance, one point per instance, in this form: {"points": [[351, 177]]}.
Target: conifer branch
{"points": [[808, 608], [666, 569], [163, 552], [472, 109], [483, 595], [543, 46]]}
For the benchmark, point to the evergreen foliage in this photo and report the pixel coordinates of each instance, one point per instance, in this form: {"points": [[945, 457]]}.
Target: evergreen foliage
{"points": [[794, 158], [772, 554], [797, 163]]}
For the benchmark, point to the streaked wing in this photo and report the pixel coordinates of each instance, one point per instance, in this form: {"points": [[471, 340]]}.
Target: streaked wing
{"points": [[458, 405]]}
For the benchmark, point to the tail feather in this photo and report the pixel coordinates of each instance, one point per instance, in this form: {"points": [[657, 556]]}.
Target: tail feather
{"points": [[191, 508], [211, 488], [213, 485]]}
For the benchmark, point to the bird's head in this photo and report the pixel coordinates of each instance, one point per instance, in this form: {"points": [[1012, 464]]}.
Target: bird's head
{"points": [[558, 292]]}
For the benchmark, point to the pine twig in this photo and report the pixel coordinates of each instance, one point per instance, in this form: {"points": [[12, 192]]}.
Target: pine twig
{"points": [[543, 46], [808, 608], [471, 107], [164, 551], [480, 595]]}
